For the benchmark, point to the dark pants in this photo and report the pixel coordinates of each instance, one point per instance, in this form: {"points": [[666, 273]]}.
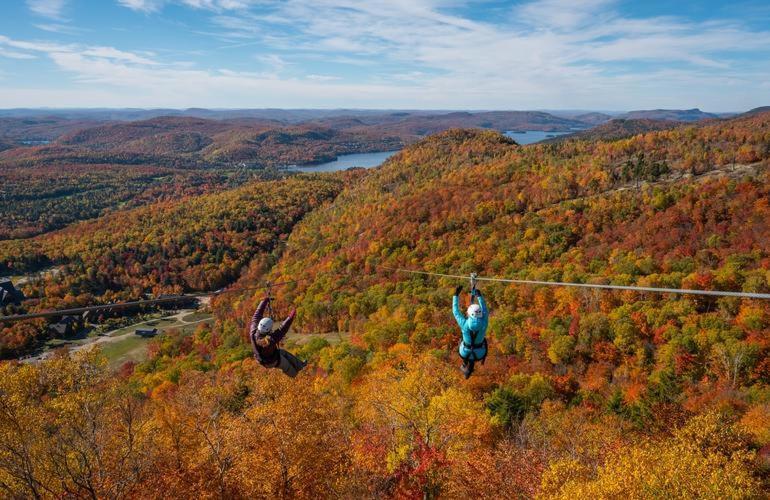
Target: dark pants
{"points": [[286, 361], [289, 364], [467, 367]]}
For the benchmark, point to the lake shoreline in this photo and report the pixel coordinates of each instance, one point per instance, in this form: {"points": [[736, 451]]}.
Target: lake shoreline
{"points": [[345, 162]]}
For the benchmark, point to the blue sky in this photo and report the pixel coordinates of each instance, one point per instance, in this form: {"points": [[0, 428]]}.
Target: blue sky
{"points": [[429, 54]]}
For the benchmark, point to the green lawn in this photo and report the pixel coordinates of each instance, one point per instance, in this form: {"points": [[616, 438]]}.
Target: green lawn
{"points": [[159, 323], [196, 316], [298, 339], [132, 348]]}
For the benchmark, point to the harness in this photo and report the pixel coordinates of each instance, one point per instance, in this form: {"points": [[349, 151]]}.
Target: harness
{"points": [[475, 345]]}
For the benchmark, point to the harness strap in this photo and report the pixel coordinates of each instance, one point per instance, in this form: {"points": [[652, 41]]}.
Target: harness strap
{"points": [[476, 345]]}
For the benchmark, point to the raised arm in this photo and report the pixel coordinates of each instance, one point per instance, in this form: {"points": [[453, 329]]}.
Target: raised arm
{"points": [[258, 315], [280, 332], [459, 317]]}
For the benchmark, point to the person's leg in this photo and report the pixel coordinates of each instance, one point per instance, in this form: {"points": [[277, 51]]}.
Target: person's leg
{"points": [[467, 367], [271, 362], [467, 356], [290, 364]]}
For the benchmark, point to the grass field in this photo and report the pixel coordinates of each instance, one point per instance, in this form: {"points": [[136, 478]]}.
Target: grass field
{"points": [[160, 324], [298, 339], [123, 345], [126, 346], [132, 348], [196, 316]]}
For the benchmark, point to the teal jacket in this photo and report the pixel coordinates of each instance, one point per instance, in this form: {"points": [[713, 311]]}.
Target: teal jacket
{"points": [[470, 326]]}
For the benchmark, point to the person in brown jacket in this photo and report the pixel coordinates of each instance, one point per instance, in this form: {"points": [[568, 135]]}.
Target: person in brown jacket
{"points": [[265, 338]]}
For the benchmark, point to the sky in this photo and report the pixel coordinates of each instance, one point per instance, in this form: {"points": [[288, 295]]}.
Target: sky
{"points": [[395, 54]]}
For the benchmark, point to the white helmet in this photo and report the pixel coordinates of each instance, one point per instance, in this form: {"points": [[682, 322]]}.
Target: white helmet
{"points": [[265, 325], [474, 311]]}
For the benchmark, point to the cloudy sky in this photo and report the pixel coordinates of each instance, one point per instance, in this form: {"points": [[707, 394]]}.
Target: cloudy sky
{"points": [[429, 54]]}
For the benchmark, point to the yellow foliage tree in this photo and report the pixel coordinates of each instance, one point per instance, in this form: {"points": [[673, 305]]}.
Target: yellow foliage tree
{"points": [[414, 420], [707, 458]]}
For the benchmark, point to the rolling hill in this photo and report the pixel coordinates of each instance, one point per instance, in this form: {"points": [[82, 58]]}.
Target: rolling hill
{"points": [[190, 243], [86, 172], [30, 130], [678, 115], [618, 128], [196, 142], [584, 393], [593, 119]]}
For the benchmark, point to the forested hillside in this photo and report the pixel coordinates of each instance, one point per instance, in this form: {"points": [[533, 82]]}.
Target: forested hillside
{"points": [[39, 199], [57, 170], [89, 170], [660, 209], [574, 210], [584, 394], [618, 128], [680, 115], [196, 244]]}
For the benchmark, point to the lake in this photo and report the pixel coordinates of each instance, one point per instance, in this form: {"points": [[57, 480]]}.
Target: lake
{"points": [[344, 162], [533, 136], [370, 160]]}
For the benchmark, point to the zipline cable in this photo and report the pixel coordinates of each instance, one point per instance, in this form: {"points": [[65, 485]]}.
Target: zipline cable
{"points": [[680, 291], [133, 303], [268, 286]]}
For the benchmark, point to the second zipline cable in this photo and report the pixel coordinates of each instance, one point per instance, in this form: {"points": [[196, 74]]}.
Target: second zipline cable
{"points": [[134, 303]]}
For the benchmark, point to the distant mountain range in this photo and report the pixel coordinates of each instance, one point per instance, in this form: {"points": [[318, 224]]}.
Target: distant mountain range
{"points": [[619, 128], [756, 111], [231, 133], [677, 115], [303, 115]]}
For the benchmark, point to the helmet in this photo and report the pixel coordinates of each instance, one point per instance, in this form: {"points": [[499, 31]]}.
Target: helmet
{"points": [[474, 311], [265, 325]]}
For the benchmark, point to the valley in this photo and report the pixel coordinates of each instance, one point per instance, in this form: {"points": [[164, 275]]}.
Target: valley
{"points": [[574, 380], [413, 250]]}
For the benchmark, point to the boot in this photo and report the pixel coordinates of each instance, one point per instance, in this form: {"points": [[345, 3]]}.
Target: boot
{"points": [[467, 368]]}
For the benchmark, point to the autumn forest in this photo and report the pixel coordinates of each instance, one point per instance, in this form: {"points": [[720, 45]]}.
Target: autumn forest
{"points": [[584, 393]]}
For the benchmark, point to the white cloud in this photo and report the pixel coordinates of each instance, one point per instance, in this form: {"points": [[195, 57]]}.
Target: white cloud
{"points": [[33, 46], [143, 5], [275, 62], [215, 5], [323, 78], [65, 29], [563, 14], [47, 8], [12, 54], [424, 53], [118, 55]]}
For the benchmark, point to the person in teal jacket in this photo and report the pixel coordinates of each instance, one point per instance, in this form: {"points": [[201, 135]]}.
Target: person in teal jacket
{"points": [[473, 346]]}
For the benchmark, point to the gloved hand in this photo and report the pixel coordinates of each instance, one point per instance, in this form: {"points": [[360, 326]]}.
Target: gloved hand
{"points": [[476, 292], [458, 290]]}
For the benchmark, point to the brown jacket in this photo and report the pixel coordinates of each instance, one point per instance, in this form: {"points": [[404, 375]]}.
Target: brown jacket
{"points": [[266, 345]]}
